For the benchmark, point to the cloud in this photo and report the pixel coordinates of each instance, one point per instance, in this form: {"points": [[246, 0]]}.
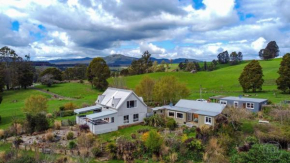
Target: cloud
{"points": [[258, 44]]}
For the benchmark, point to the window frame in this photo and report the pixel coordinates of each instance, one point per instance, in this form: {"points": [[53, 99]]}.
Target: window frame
{"points": [[112, 119], [179, 113], [171, 112], [236, 102], [209, 118], [135, 119], [129, 105], [224, 101], [252, 105], [126, 121]]}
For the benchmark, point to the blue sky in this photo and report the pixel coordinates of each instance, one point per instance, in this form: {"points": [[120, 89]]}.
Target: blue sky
{"points": [[197, 29]]}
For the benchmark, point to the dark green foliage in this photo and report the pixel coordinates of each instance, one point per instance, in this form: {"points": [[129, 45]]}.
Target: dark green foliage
{"points": [[223, 57], [98, 72], [112, 149], [66, 113], [283, 81], [55, 72], [155, 121], [236, 58], [171, 123], [271, 51], [204, 66], [25, 74], [247, 128], [61, 108], [141, 65], [264, 153], [0, 118], [124, 72], [84, 127], [192, 149], [181, 66], [70, 135], [252, 77], [37, 122], [23, 159], [75, 73], [72, 145]]}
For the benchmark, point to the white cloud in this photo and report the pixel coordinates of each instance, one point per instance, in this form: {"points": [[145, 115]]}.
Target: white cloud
{"points": [[153, 49], [258, 44]]}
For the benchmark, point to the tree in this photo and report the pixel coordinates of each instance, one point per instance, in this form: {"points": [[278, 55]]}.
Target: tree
{"points": [[98, 72], [124, 72], [223, 57], [181, 66], [252, 77], [169, 89], [283, 81], [118, 82], [141, 65], [26, 73], [55, 72], [235, 58], [154, 141], [36, 122], [190, 66], [47, 80], [271, 51], [145, 88], [204, 66], [35, 104]]}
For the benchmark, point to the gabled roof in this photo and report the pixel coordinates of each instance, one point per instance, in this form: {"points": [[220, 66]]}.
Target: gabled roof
{"points": [[116, 96], [259, 100]]}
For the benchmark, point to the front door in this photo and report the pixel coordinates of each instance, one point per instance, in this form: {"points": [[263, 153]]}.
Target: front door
{"points": [[189, 117]]}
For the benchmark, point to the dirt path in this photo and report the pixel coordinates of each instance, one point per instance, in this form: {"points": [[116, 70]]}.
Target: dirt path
{"points": [[54, 95]]}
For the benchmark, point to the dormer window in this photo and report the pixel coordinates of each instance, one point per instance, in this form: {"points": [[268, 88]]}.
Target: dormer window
{"points": [[131, 104]]}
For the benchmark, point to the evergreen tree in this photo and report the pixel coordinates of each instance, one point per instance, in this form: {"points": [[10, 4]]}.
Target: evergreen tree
{"points": [[271, 51], [223, 57], [252, 77], [283, 82], [98, 72]]}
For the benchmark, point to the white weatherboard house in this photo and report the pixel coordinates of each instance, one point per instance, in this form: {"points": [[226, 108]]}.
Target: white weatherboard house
{"points": [[114, 108]]}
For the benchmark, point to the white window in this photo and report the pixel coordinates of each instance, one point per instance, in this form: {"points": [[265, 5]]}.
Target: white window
{"points": [[223, 102], [208, 120], [131, 104], [112, 119], [250, 105], [126, 119], [171, 114], [236, 104], [179, 115], [135, 117]]}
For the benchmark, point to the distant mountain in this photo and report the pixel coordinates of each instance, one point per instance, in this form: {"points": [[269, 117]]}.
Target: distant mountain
{"points": [[114, 60]]}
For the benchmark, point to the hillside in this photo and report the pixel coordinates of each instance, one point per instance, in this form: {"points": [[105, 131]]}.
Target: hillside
{"points": [[223, 81], [115, 59]]}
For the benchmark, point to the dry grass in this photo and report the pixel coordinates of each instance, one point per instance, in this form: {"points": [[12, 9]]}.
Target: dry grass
{"points": [[238, 114], [49, 136], [57, 125], [1, 133], [70, 106], [48, 115], [214, 152]]}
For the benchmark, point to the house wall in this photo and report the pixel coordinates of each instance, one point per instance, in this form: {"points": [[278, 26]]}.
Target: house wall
{"points": [[201, 120], [104, 128], [257, 105], [140, 109], [180, 121]]}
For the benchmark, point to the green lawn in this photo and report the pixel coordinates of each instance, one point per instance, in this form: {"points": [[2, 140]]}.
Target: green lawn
{"points": [[223, 81], [10, 108]]}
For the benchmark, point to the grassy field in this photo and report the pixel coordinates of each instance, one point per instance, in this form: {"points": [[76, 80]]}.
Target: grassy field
{"points": [[13, 101], [223, 81]]}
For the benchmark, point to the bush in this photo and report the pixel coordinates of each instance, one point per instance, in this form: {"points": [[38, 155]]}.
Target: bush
{"points": [[112, 149], [0, 118], [171, 123], [67, 113], [1, 133], [61, 108], [84, 127], [96, 151], [154, 141], [70, 135], [57, 125], [70, 106], [72, 145], [49, 137], [37, 122], [155, 121], [247, 127], [48, 115]]}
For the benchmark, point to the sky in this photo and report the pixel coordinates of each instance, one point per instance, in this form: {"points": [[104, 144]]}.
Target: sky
{"points": [[199, 29]]}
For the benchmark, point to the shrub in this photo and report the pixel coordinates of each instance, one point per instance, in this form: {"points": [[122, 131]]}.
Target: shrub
{"points": [[0, 118], [61, 108], [70, 106], [96, 151], [247, 127], [84, 127], [48, 115], [112, 149], [81, 81], [155, 121], [49, 136], [171, 123], [1, 133], [57, 125], [145, 136], [72, 145], [70, 135], [37, 122], [154, 141], [67, 113]]}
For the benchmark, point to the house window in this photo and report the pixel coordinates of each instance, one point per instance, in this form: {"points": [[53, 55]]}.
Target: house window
{"points": [[106, 119], [112, 119], [171, 114], [208, 120], [131, 104], [160, 111], [179, 115], [135, 117], [126, 119], [236, 104], [223, 102], [250, 105]]}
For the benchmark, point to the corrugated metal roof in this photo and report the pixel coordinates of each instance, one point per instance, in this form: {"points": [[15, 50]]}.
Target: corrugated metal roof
{"points": [[244, 99], [87, 109], [201, 106], [101, 114], [207, 113]]}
